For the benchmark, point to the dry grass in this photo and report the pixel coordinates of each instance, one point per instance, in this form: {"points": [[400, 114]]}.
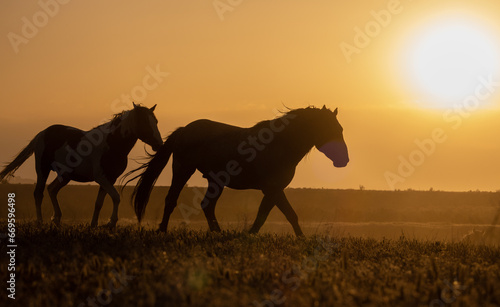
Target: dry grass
{"points": [[78, 266]]}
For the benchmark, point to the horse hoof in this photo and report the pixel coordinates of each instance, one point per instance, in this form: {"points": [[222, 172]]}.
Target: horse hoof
{"points": [[252, 231], [110, 225], [56, 221]]}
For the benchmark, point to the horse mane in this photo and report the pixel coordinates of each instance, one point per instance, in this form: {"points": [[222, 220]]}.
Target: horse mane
{"points": [[300, 113], [116, 118], [308, 110], [297, 112]]}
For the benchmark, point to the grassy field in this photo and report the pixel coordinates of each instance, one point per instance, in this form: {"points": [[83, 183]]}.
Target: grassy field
{"points": [[77, 266], [426, 215], [362, 248]]}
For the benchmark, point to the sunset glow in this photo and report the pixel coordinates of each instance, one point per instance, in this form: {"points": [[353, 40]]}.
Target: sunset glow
{"points": [[396, 70]]}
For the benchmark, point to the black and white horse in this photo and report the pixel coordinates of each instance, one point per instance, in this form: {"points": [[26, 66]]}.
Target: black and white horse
{"points": [[262, 157], [98, 155]]}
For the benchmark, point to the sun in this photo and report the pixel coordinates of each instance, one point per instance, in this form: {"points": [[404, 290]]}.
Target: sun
{"points": [[446, 60]]}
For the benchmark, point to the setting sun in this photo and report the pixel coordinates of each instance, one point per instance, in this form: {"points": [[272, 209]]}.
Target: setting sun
{"points": [[447, 59]]}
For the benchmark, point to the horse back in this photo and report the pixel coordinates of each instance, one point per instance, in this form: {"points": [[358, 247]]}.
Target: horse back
{"points": [[215, 148], [56, 136], [58, 151]]}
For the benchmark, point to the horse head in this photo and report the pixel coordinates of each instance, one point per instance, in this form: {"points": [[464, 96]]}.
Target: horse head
{"points": [[146, 126], [329, 139]]}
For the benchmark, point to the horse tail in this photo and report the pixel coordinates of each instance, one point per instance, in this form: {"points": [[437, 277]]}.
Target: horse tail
{"points": [[148, 177], [12, 167]]}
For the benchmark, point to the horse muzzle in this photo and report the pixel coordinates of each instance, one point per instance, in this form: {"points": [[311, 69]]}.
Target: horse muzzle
{"points": [[340, 164], [156, 147], [337, 152]]}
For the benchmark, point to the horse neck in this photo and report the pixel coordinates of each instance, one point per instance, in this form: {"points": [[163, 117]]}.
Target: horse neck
{"points": [[121, 137], [295, 138]]}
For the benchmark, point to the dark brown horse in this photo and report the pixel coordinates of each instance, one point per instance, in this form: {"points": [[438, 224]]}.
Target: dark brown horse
{"points": [[261, 157], [98, 155]]}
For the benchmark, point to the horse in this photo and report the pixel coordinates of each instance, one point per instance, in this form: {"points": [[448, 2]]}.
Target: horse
{"points": [[99, 155], [262, 157]]}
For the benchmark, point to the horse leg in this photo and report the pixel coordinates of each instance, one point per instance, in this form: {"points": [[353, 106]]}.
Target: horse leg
{"points": [[98, 205], [108, 187], [265, 207], [41, 179], [285, 207], [179, 180], [209, 202], [54, 188]]}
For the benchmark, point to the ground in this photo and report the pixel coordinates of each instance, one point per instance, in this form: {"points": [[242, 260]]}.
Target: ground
{"points": [[362, 248], [74, 265]]}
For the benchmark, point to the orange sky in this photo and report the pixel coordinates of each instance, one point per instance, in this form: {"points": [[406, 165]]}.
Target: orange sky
{"points": [[238, 64]]}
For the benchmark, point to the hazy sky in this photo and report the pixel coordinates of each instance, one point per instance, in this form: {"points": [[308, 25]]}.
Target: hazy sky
{"points": [[414, 81]]}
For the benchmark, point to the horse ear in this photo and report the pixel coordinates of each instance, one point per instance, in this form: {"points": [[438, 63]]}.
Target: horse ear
{"points": [[336, 111], [152, 108], [324, 107], [133, 103]]}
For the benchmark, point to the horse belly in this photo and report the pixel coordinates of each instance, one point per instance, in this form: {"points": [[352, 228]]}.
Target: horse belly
{"points": [[113, 165], [70, 165], [242, 177]]}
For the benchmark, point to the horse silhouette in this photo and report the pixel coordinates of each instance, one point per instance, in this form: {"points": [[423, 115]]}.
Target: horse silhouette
{"points": [[99, 155], [262, 157]]}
